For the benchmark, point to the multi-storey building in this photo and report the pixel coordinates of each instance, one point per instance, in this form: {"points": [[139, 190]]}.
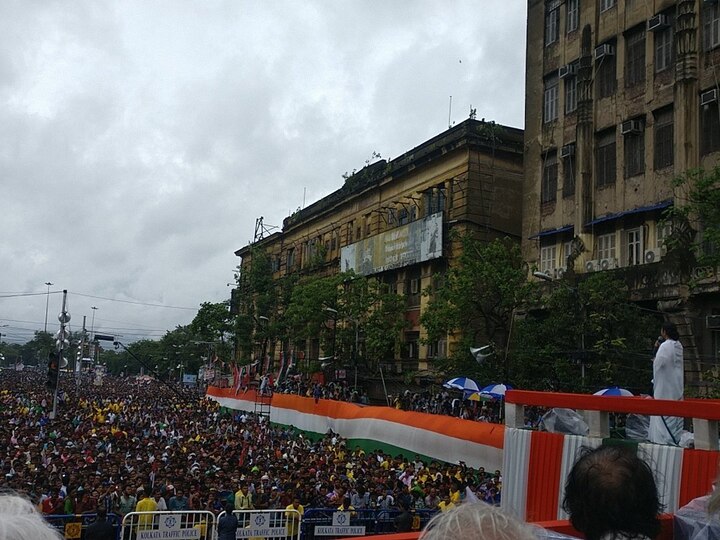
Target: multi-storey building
{"points": [[622, 97], [391, 220]]}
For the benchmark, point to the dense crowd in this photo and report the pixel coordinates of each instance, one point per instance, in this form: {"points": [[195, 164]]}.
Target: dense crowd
{"points": [[449, 403], [115, 445], [339, 391]]}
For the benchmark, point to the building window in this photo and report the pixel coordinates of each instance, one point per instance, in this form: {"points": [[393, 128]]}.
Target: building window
{"points": [[606, 4], [709, 128], [549, 179], [569, 176], [634, 246], [437, 349], [403, 217], [570, 94], [290, 261], [573, 15], [606, 246], [434, 200], [711, 25], [663, 49], [634, 143], [606, 74], [605, 158], [635, 57], [550, 101], [391, 217], [552, 21], [548, 256], [663, 138]]}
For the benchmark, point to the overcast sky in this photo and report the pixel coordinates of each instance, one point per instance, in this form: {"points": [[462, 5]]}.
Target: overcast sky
{"points": [[139, 141]]}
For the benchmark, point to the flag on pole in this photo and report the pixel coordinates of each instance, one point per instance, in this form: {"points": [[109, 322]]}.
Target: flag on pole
{"points": [[239, 380], [245, 376], [291, 360], [266, 367], [282, 366]]}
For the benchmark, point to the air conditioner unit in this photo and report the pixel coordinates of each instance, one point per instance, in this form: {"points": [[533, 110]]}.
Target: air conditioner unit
{"points": [[592, 266], [568, 70], [568, 150], [712, 322], [631, 126], [653, 255], [711, 96], [658, 22], [608, 264], [601, 51]]}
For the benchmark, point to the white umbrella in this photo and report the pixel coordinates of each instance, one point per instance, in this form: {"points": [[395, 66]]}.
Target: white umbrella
{"points": [[614, 391], [462, 383], [496, 391]]}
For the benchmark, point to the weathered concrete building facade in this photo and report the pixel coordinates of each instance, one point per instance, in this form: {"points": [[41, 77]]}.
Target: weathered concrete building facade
{"points": [[392, 220], [622, 97]]}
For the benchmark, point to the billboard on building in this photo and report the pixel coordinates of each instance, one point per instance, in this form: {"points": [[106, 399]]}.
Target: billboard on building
{"points": [[405, 245]]}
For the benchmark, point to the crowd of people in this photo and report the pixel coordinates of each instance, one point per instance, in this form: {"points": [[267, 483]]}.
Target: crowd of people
{"points": [[339, 391], [113, 446], [134, 445], [449, 403]]}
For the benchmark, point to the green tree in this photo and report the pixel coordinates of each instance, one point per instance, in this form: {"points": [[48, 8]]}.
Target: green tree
{"points": [[258, 304], [696, 209], [475, 301], [384, 324], [35, 351], [586, 325], [309, 310]]}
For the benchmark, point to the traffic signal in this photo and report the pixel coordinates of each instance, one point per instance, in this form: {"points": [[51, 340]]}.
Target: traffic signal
{"points": [[53, 370]]}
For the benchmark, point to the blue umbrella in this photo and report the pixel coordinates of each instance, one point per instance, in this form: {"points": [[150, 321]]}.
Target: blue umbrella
{"points": [[462, 383], [496, 391], [613, 391]]}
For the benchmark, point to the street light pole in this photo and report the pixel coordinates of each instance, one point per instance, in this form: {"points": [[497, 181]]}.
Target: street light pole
{"points": [[47, 303], [92, 323], [93, 341]]}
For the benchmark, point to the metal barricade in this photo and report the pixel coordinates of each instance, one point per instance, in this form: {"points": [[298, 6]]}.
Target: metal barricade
{"points": [[267, 524], [72, 526], [181, 525], [324, 523]]}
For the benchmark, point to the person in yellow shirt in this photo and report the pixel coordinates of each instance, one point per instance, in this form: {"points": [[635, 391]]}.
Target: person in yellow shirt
{"points": [[446, 504], [294, 513], [243, 499], [347, 507], [455, 495], [145, 504]]}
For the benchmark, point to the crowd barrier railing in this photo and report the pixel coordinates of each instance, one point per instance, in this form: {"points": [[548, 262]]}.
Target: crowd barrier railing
{"points": [[536, 463], [267, 524], [72, 526], [705, 413], [181, 525], [329, 522]]}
